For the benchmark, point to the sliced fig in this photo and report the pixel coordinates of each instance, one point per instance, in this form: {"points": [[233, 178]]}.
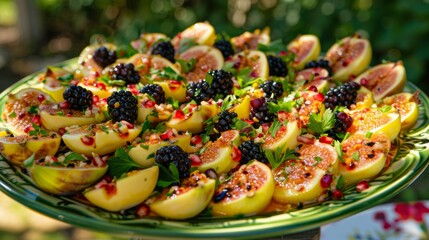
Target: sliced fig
{"points": [[102, 138], [173, 89], [146, 40], [207, 58], [203, 33], [217, 156], [364, 156], [364, 99], [313, 79], [65, 175], [184, 201], [144, 153], [54, 80], [306, 48], [87, 65], [54, 117], [17, 149], [192, 122], [247, 192], [407, 105], [253, 59], [122, 194], [250, 41], [21, 110], [384, 79], [349, 57], [304, 180], [286, 136]]}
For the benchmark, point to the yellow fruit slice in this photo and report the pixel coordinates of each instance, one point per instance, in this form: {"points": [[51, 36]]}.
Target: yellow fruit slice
{"points": [[243, 108], [385, 119], [53, 117], [125, 194], [364, 99], [192, 122], [184, 201], [349, 57], [285, 137], [364, 157], [306, 48], [102, 138], [303, 180], [247, 192], [203, 33], [173, 89], [207, 58], [217, 157], [64, 180], [21, 110], [144, 153], [384, 79], [406, 104], [17, 149]]}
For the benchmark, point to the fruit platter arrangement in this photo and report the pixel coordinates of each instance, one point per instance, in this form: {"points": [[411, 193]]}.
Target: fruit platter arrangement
{"points": [[183, 136]]}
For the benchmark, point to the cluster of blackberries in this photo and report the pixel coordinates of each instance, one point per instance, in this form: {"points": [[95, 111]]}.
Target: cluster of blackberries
{"points": [[344, 95], [78, 97], [221, 86]]}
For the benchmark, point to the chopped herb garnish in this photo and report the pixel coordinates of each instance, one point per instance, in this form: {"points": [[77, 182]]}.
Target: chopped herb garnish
{"points": [[12, 114], [355, 156], [185, 44], [275, 126], [320, 123], [385, 108], [33, 110], [73, 157], [278, 157], [167, 176], [368, 134], [317, 159], [121, 163], [281, 106], [187, 66], [67, 77], [105, 129], [339, 149]]}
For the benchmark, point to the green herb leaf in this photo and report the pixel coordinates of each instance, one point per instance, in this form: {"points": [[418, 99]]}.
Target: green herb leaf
{"points": [[105, 129], [167, 176], [277, 158], [67, 77], [186, 43], [385, 108], [12, 114], [281, 106], [368, 134], [321, 123], [340, 182], [121, 163], [275, 46], [187, 66], [73, 157], [317, 159], [33, 110], [145, 126], [275, 126], [355, 156], [29, 161], [339, 149]]}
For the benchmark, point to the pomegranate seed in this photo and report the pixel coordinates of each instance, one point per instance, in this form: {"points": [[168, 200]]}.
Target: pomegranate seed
{"points": [[95, 99], [89, 141], [256, 103], [61, 131], [326, 180], [192, 107], [129, 125], [64, 104], [254, 74], [28, 129], [362, 186], [36, 120], [337, 194], [173, 84], [149, 104], [363, 81], [265, 127], [110, 189], [236, 154], [41, 97], [325, 139], [282, 53], [195, 160], [166, 135], [196, 140], [313, 88], [143, 210], [100, 85], [179, 114], [319, 97]]}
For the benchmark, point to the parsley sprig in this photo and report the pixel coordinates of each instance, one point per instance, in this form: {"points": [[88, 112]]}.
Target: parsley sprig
{"points": [[321, 123], [277, 157], [121, 163], [168, 176]]}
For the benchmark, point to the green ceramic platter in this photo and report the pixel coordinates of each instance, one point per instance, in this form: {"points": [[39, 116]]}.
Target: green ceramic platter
{"points": [[411, 160]]}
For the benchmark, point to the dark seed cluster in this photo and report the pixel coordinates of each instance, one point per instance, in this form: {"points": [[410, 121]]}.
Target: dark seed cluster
{"points": [[125, 72], [122, 105], [165, 49], [103, 57], [344, 95], [155, 91], [78, 97], [251, 150], [277, 67], [225, 121], [174, 154]]}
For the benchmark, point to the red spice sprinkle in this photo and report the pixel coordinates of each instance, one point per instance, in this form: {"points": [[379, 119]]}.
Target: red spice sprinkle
{"points": [[325, 139], [174, 84], [362, 186], [89, 141]]}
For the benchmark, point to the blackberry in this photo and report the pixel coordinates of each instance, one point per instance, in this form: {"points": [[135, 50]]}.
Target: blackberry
{"points": [[174, 154], [272, 89], [165, 49], [155, 91], [251, 150], [344, 95], [322, 63], [199, 91], [103, 57], [225, 48], [342, 122], [224, 121], [125, 72], [221, 83], [277, 66], [122, 105], [78, 97], [260, 110]]}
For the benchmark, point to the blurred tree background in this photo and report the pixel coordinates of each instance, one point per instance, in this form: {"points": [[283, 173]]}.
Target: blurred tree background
{"points": [[397, 29]]}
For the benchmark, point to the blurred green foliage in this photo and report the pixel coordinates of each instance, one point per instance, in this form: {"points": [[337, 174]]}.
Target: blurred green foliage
{"points": [[398, 29]]}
